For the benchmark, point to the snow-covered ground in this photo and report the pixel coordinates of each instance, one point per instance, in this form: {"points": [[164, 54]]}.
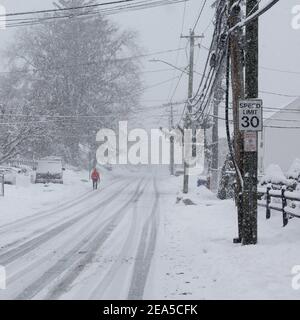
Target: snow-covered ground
{"points": [[25, 199], [134, 238], [196, 258]]}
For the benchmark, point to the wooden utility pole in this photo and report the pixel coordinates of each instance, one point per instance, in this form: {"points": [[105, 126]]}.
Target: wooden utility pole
{"points": [[251, 158], [237, 79], [218, 96], [172, 141], [187, 121]]}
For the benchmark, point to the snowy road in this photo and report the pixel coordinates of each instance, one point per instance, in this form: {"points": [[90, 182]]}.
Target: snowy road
{"points": [[97, 246]]}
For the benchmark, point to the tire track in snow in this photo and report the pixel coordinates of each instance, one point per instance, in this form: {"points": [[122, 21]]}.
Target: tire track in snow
{"points": [[50, 225], [91, 243], [116, 266], [15, 253], [145, 252], [25, 271], [45, 213]]}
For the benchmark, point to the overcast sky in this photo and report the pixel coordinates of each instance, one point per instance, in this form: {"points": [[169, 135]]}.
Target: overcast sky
{"points": [[159, 29]]}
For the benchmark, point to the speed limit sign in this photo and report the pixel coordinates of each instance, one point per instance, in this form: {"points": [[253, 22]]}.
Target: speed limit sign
{"points": [[250, 115]]}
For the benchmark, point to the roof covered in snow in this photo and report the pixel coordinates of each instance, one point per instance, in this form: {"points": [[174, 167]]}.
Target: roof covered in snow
{"points": [[288, 115]]}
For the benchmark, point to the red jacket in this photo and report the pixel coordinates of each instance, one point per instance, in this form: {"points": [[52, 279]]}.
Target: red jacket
{"points": [[95, 175]]}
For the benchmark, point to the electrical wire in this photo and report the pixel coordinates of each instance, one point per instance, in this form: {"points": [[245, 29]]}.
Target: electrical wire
{"points": [[199, 16], [177, 56], [279, 94], [279, 70], [213, 42], [124, 8], [254, 16], [12, 14]]}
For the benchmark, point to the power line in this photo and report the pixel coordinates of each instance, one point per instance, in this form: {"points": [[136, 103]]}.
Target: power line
{"points": [[280, 70], [211, 70], [279, 94], [254, 8], [199, 15], [277, 110], [281, 127], [96, 63], [177, 56], [63, 9], [253, 16], [107, 11], [13, 14], [266, 125]]}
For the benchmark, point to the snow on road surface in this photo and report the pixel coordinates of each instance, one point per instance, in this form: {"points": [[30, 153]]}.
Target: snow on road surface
{"points": [[131, 240], [99, 245]]}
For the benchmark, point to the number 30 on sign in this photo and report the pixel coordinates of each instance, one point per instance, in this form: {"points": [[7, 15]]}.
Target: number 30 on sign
{"points": [[250, 115]]}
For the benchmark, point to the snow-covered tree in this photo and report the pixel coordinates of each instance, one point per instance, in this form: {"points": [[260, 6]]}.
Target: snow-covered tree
{"points": [[17, 128], [228, 177], [78, 77]]}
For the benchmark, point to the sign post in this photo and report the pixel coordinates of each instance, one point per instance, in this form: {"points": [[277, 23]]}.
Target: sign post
{"points": [[2, 185], [250, 122]]}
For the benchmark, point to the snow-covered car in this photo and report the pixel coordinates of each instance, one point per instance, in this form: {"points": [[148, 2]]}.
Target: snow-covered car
{"points": [[28, 172], [202, 181], [49, 170], [10, 174]]}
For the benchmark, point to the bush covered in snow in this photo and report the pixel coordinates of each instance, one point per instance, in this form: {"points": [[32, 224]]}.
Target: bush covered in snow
{"points": [[294, 170], [275, 177]]}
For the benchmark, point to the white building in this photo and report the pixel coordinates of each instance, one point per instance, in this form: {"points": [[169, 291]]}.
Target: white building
{"points": [[281, 136]]}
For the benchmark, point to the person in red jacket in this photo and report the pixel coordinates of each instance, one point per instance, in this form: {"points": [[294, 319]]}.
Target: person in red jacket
{"points": [[95, 178]]}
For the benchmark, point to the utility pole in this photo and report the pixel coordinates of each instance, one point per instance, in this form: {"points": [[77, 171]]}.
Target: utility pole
{"points": [[218, 97], [215, 142], [187, 121], [172, 141], [251, 158], [237, 80]]}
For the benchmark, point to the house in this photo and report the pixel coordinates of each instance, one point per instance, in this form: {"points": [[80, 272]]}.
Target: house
{"points": [[281, 136]]}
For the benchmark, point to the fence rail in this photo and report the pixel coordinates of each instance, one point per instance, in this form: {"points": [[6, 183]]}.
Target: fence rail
{"points": [[20, 162], [283, 207]]}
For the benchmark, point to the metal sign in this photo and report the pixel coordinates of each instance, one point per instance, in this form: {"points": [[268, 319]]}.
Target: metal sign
{"points": [[251, 115], [250, 141]]}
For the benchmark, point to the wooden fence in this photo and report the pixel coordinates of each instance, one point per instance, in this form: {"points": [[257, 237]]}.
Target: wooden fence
{"points": [[22, 162], [286, 206]]}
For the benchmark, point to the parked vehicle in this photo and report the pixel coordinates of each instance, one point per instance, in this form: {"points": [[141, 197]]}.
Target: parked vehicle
{"points": [[49, 170], [10, 174], [203, 181], [28, 171]]}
